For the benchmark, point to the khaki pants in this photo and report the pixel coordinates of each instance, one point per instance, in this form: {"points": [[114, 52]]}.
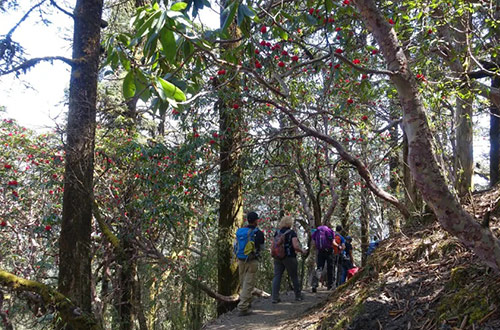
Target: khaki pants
{"points": [[248, 274]]}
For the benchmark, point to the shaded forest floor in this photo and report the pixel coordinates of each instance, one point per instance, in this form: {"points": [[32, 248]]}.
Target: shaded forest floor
{"points": [[420, 279]]}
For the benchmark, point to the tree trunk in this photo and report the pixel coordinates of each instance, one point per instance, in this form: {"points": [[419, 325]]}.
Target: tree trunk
{"points": [[394, 221], [495, 138], [344, 209], [231, 181], [413, 196], [74, 242], [364, 226], [422, 160]]}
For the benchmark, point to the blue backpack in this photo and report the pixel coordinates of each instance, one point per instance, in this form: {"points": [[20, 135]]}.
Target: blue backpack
{"points": [[244, 244]]}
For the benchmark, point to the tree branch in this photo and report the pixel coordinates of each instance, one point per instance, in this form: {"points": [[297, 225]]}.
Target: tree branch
{"points": [[34, 61]]}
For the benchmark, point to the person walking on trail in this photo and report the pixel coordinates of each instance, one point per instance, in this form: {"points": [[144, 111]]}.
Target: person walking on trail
{"points": [[347, 259], [372, 246], [286, 236], [322, 238], [338, 248], [249, 242]]}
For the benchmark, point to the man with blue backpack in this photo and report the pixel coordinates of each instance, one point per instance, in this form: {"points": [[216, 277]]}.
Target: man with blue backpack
{"points": [[247, 246], [324, 240]]}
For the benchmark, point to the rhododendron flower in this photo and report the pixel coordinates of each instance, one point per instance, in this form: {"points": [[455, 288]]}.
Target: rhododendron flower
{"points": [[13, 183], [236, 106], [295, 58], [48, 228], [7, 166], [356, 61], [350, 101], [311, 11], [391, 21], [257, 64], [375, 51], [339, 51], [364, 118], [221, 72], [263, 29], [257, 51], [211, 141], [337, 66], [281, 64], [284, 53], [3, 224]]}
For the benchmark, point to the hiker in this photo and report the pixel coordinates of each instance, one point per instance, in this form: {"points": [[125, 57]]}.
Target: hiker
{"points": [[338, 248], [323, 240], [248, 260], [289, 261], [347, 259], [372, 246]]}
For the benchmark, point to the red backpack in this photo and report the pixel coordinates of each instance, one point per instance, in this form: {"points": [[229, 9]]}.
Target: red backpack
{"points": [[278, 245]]}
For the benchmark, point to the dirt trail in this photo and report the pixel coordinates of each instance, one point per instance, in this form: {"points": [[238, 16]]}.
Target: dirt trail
{"points": [[267, 316]]}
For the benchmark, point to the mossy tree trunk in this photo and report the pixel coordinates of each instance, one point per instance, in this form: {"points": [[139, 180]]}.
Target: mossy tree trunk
{"points": [[231, 177], [422, 159], [74, 243], [344, 207]]}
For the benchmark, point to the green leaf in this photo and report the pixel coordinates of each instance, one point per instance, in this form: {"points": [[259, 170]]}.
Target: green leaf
{"points": [[129, 85], [247, 11], [142, 30], [230, 17], [167, 90], [168, 44], [178, 6]]}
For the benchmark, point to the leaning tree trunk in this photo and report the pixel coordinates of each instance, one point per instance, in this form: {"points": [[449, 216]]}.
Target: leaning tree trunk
{"points": [[231, 181], [422, 160], [74, 242]]}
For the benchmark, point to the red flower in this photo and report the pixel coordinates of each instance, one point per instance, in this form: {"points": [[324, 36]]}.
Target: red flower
{"points": [[364, 76], [51, 192], [175, 112], [263, 43], [48, 228], [350, 101], [284, 53], [336, 66], [339, 51], [211, 141], [196, 135], [215, 135], [257, 64], [364, 118], [7, 166], [221, 72], [338, 29], [15, 193], [295, 58], [429, 31], [236, 106], [356, 61], [374, 52], [281, 64], [263, 29], [257, 51], [3, 224], [346, 2], [13, 183], [311, 11], [391, 21]]}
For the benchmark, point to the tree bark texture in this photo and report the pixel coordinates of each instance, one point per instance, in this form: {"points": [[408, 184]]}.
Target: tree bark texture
{"points": [[344, 206], [394, 221], [364, 226], [231, 180], [422, 160], [74, 243]]}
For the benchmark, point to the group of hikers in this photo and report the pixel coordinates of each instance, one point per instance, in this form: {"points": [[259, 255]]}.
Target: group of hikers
{"points": [[333, 251]]}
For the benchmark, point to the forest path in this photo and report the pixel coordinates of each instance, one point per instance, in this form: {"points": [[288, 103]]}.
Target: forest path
{"points": [[266, 315]]}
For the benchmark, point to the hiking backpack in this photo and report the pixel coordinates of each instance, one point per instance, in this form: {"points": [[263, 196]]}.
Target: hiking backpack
{"points": [[278, 245], [244, 245], [323, 238]]}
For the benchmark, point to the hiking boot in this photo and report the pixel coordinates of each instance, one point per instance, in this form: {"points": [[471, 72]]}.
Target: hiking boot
{"points": [[313, 290], [275, 301], [244, 313]]}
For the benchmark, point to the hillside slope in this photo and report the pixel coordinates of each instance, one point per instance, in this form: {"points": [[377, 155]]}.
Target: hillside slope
{"points": [[419, 279]]}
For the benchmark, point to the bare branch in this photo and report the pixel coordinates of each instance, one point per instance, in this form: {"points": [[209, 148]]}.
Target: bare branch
{"points": [[34, 61]]}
